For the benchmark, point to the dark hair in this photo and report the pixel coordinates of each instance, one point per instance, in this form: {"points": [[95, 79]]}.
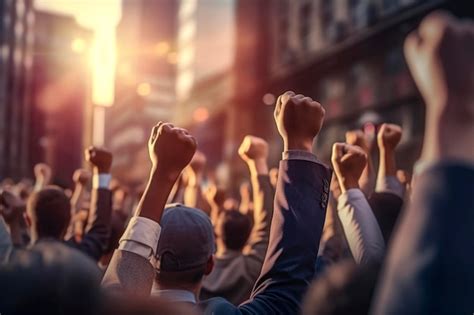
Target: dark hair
{"points": [[234, 229], [172, 278], [345, 288], [50, 211]]}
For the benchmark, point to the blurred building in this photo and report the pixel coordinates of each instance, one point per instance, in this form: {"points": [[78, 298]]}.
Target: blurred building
{"points": [[145, 82], [16, 41], [60, 101], [347, 54], [205, 77]]}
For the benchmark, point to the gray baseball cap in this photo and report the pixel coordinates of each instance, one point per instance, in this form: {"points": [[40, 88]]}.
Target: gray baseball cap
{"points": [[186, 240]]}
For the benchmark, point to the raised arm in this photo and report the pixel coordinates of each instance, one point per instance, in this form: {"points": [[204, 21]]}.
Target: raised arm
{"points": [[81, 178], [131, 269], [43, 176], [388, 138], [358, 221], [254, 152], [429, 266], [96, 233], [367, 178], [299, 211]]}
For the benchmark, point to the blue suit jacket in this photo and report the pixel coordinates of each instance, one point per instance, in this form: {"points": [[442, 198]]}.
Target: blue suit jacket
{"points": [[430, 267], [299, 211]]}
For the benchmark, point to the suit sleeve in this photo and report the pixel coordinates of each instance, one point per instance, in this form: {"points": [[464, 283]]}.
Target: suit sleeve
{"points": [[97, 230], [430, 264], [299, 211]]}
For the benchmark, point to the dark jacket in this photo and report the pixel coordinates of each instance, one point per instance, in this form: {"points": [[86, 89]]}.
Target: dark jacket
{"points": [[430, 263]]}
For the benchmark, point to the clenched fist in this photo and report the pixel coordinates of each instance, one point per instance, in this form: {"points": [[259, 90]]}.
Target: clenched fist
{"points": [[81, 177], [43, 173], [348, 162], [299, 120], [358, 138], [253, 148], [100, 159], [440, 57], [170, 149], [389, 136], [11, 207]]}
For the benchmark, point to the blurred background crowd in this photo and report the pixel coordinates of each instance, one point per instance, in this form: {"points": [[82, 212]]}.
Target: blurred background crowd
{"points": [[80, 73]]}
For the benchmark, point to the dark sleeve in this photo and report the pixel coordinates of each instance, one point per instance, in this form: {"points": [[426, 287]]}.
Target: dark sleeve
{"points": [[97, 232], [299, 211], [430, 264], [387, 208]]}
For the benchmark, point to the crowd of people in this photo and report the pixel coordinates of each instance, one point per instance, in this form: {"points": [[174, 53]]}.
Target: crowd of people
{"points": [[304, 238]]}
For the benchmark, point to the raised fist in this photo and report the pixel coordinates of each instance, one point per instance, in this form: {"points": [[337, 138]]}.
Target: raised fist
{"points": [[81, 176], [100, 159], [439, 54], [253, 148], [358, 138], [348, 162], [389, 136], [299, 120], [171, 148], [11, 206], [43, 172]]}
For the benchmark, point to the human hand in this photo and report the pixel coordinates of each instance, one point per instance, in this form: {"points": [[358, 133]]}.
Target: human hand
{"points": [[348, 162], [439, 55], [170, 149], [358, 138], [253, 148], [81, 177], [11, 207], [299, 119], [100, 159], [43, 173], [388, 137]]}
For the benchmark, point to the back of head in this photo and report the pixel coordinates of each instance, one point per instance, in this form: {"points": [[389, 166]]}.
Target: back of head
{"points": [[50, 212], [185, 246], [234, 229], [345, 288], [50, 278]]}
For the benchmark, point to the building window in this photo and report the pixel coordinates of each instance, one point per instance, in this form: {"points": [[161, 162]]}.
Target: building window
{"points": [[305, 24]]}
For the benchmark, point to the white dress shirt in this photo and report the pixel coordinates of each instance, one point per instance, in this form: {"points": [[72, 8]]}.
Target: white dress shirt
{"points": [[360, 227]]}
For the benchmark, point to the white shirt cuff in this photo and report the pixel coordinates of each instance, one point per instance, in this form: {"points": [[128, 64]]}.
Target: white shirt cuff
{"points": [[141, 237], [300, 155], [390, 184], [101, 181], [349, 196]]}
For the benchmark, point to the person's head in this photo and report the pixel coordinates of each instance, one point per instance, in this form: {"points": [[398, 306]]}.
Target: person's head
{"points": [[344, 288], [185, 248], [233, 229], [49, 213]]}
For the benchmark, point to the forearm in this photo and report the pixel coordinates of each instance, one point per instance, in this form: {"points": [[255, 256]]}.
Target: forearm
{"points": [[360, 227], [386, 178], [367, 179], [77, 198], [157, 190]]}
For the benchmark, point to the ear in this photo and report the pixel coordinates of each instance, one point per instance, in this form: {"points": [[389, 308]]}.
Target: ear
{"points": [[209, 265]]}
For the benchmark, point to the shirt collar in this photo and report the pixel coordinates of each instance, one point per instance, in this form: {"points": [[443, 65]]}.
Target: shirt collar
{"points": [[175, 295]]}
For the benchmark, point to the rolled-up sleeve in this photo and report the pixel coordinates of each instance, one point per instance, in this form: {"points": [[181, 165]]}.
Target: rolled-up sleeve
{"points": [[141, 237]]}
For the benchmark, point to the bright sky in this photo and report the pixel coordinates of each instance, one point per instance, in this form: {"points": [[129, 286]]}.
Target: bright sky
{"points": [[102, 16]]}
